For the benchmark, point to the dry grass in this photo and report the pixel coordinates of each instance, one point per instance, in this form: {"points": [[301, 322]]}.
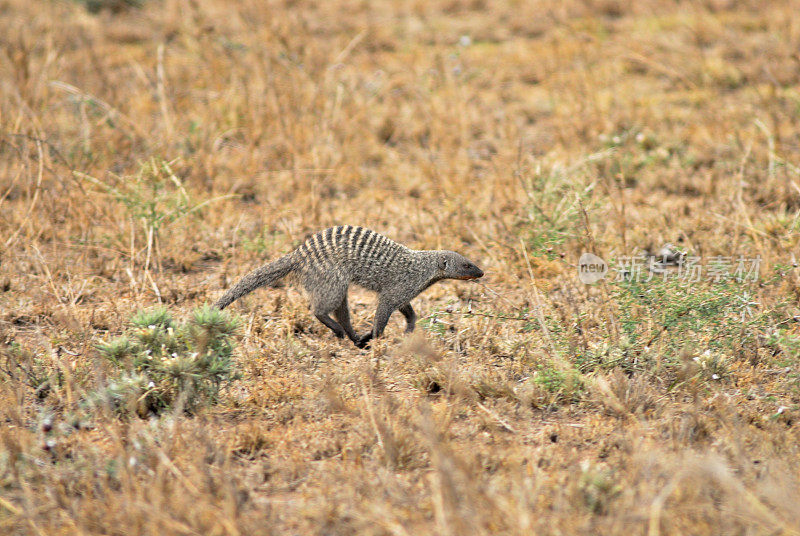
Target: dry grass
{"points": [[154, 153]]}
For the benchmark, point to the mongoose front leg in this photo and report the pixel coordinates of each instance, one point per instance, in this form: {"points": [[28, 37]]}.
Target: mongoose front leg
{"points": [[411, 317], [385, 310]]}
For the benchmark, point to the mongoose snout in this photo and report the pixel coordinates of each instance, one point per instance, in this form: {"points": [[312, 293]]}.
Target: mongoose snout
{"points": [[330, 261], [474, 273]]}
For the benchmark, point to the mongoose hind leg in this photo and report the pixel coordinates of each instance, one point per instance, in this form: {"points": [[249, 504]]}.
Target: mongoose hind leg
{"points": [[342, 315], [326, 298], [331, 323], [411, 317]]}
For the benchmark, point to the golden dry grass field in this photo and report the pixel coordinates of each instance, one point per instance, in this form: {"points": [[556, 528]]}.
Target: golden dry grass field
{"points": [[153, 152]]}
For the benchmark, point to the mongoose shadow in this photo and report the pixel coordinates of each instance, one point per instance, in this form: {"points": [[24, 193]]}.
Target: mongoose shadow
{"points": [[331, 260]]}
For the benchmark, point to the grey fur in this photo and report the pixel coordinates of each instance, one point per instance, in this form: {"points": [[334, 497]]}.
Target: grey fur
{"points": [[329, 261]]}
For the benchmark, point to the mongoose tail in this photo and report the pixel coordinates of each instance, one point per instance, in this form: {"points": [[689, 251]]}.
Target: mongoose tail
{"points": [[260, 277], [328, 262]]}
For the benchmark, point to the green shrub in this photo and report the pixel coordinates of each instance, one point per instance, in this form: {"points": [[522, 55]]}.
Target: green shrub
{"points": [[161, 365], [565, 383], [661, 319]]}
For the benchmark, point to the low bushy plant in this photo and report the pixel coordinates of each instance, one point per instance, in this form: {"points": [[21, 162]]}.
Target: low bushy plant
{"points": [[161, 364]]}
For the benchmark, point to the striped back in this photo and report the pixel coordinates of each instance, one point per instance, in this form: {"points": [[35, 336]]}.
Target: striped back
{"points": [[339, 247]]}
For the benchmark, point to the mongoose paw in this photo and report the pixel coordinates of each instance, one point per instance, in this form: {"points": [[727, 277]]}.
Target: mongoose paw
{"points": [[363, 342]]}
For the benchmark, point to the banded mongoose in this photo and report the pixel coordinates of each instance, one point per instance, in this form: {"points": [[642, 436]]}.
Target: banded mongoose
{"points": [[329, 261]]}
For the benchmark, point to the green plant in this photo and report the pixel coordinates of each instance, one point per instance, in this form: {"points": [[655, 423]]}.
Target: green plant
{"points": [[20, 365], [718, 318], [552, 211], [161, 364], [155, 197], [556, 197], [786, 343], [566, 384], [434, 324]]}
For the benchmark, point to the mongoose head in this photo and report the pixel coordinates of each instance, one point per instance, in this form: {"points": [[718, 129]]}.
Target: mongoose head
{"points": [[454, 266]]}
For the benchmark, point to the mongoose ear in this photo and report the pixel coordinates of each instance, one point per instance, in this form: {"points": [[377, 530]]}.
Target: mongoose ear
{"points": [[442, 263]]}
